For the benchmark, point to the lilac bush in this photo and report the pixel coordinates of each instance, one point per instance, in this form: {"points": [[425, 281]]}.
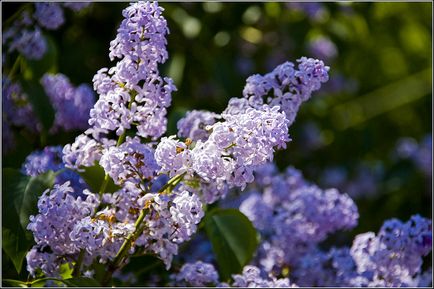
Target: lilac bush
{"points": [[155, 192]]}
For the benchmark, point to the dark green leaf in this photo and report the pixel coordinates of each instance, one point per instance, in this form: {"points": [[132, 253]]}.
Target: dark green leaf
{"points": [[94, 177], [40, 102], [233, 238], [81, 282], [23, 192], [15, 245], [20, 196]]}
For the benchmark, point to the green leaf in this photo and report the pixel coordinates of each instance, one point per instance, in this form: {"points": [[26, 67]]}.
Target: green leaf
{"points": [[16, 245], [233, 238], [94, 177], [20, 197], [14, 283], [81, 282], [66, 270], [22, 192]]}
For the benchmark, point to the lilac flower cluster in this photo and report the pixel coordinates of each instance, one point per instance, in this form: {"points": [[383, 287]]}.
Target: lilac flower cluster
{"points": [[197, 274], [233, 149], [50, 158], [173, 221], [72, 105], [133, 93], [204, 274], [59, 211], [294, 215], [286, 87], [25, 34], [131, 161], [392, 258]]}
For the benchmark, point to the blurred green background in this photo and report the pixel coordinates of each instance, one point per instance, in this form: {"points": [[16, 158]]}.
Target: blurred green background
{"points": [[380, 86]]}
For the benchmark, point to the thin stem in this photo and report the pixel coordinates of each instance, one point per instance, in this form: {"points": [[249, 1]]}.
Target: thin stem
{"points": [[117, 261], [15, 66], [77, 267], [172, 182], [16, 14]]}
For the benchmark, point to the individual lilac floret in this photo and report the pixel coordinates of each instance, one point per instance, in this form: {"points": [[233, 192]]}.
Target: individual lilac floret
{"points": [[394, 256], [58, 214], [286, 87], [72, 105], [195, 123], [49, 15], [197, 274], [132, 161], [50, 158]]}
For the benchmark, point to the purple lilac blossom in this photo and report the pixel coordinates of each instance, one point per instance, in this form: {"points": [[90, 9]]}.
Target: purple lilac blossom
{"points": [[392, 258], [195, 124], [49, 15], [132, 161], [58, 214], [72, 105], [286, 87], [251, 277], [172, 220], [84, 151], [234, 148], [30, 43], [132, 92], [196, 274], [293, 215], [322, 48], [50, 158]]}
